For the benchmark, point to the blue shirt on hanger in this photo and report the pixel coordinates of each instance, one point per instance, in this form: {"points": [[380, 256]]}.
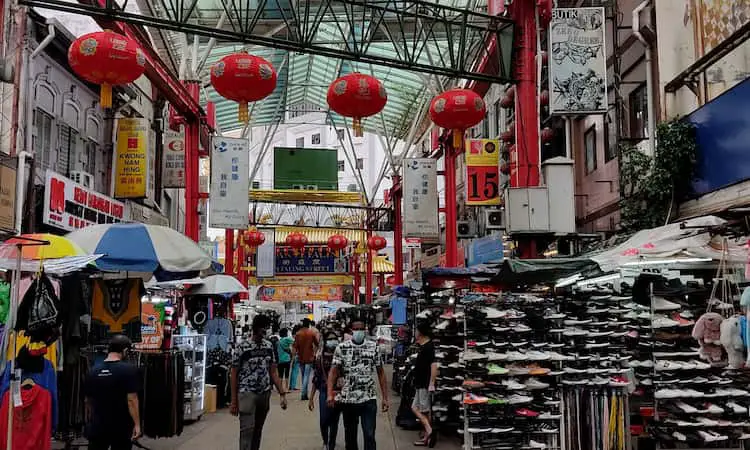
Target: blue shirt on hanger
{"points": [[398, 311]]}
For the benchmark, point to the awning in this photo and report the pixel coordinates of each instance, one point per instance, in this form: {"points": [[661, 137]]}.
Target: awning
{"points": [[58, 266], [318, 236]]}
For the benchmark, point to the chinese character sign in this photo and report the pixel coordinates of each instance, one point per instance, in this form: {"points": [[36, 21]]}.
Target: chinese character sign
{"points": [[421, 199], [131, 167], [230, 182], [173, 160], [482, 172]]}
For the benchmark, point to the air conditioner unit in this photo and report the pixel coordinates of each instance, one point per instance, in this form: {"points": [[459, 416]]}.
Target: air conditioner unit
{"points": [[465, 229], [495, 219], [298, 187], [312, 187], [85, 179]]}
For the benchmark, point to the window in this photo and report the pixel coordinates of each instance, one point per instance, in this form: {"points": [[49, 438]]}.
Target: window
{"points": [[610, 135], [256, 184], [42, 142], [638, 104], [300, 142], [589, 143], [316, 139], [340, 165], [360, 163], [496, 123], [340, 134], [67, 141], [485, 128], [88, 157]]}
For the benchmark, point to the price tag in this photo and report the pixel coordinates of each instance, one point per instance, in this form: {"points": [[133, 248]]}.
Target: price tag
{"points": [[482, 185], [16, 390]]}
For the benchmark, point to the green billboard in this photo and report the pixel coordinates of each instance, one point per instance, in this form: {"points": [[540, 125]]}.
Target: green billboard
{"points": [[312, 169]]}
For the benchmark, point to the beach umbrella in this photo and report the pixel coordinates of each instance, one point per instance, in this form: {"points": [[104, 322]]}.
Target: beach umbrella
{"points": [[218, 285], [58, 247]]}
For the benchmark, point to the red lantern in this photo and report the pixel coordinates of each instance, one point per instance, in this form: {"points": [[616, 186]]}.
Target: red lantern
{"points": [[507, 136], [357, 96], [296, 240], [337, 242], [254, 238], [243, 78], [507, 102], [376, 243], [106, 58], [544, 98], [547, 134], [457, 110]]}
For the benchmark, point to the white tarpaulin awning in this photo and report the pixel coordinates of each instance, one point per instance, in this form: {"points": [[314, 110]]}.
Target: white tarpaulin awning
{"points": [[57, 266]]}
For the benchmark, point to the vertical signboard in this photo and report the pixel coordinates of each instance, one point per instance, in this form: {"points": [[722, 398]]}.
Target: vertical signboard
{"points": [[578, 61], [482, 172], [173, 160], [7, 197], [131, 165], [230, 182], [265, 265], [421, 199]]}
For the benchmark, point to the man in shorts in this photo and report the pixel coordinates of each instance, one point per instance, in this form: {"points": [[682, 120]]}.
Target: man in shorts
{"points": [[425, 373]]}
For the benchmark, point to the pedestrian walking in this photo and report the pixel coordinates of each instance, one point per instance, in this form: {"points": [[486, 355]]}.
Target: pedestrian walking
{"points": [[425, 374], [356, 362], [284, 350], [254, 368], [111, 391], [306, 343], [329, 416]]}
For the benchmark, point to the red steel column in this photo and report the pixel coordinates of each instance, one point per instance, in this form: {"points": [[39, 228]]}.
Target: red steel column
{"points": [[229, 252], [451, 238], [527, 109], [357, 278], [241, 259], [397, 195], [368, 273], [192, 143]]}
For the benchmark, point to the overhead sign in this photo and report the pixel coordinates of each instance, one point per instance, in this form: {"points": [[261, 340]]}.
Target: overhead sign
{"points": [[265, 264], [302, 280], [482, 172], [230, 182], [69, 206], [173, 160], [7, 198], [578, 61], [294, 293], [486, 249], [311, 260], [131, 165], [309, 169], [412, 243], [421, 199]]}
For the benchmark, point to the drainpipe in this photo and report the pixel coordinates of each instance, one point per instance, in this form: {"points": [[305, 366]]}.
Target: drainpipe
{"points": [[649, 75], [28, 152]]}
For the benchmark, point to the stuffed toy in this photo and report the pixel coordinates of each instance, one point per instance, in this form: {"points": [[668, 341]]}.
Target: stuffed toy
{"points": [[707, 331], [731, 340]]}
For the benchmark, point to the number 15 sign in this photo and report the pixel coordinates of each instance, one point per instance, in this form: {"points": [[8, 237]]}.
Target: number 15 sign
{"points": [[482, 173]]}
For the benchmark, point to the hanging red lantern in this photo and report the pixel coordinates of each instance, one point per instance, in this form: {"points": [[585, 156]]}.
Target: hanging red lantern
{"points": [[376, 242], [457, 110], [357, 95], [254, 238], [544, 98], [547, 134], [507, 102], [296, 240], [243, 78], [108, 59], [337, 242]]}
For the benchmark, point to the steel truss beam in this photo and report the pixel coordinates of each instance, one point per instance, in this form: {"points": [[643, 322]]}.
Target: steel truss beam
{"points": [[405, 29], [320, 215]]}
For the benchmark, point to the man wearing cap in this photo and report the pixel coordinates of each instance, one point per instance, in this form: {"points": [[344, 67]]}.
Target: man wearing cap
{"points": [[111, 391]]}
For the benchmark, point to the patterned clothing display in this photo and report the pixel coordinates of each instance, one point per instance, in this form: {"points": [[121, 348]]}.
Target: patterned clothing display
{"points": [[357, 365], [253, 360], [219, 332], [116, 308]]}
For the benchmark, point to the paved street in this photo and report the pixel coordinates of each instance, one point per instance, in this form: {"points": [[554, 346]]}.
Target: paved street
{"points": [[293, 429]]}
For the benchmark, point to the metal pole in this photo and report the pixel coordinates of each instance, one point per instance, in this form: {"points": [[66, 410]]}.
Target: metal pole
{"points": [[368, 265], [241, 258], [192, 143], [12, 313], [229, 251], [357, 279], [398, 231], [451, 237]]}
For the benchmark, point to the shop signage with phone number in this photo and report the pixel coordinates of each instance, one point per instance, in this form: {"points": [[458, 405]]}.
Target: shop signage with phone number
{"points": [[482, 172]]}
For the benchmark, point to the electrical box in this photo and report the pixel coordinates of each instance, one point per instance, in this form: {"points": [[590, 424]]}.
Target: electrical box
{"points": [[527, 210], [559, 177]]}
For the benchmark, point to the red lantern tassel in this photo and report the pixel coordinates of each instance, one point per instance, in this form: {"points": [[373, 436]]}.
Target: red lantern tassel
{"points": [[357, 126], [458, 138], [105, 96], [244, 114]]}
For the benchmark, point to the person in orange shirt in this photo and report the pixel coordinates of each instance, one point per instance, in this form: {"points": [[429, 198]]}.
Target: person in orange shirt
{"points": [[306, 343]]}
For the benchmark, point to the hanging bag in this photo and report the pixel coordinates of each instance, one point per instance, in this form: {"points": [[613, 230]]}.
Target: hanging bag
{"points": [[42, 310]]}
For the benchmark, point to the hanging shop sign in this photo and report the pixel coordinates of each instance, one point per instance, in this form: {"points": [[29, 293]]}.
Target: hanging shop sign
{"points": [[173, 160], [230, 182], [131, 166], [577, 63], [293, 293], [69, 206], [151, 328], [302, 280], [486, 249], [412, 243], [265, 265], [482, 172], [7, 197], [421, 199], [312, 259]]}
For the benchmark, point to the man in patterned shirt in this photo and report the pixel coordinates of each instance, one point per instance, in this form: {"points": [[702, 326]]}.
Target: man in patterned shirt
{"points": [[355, 362], [254, 367]]}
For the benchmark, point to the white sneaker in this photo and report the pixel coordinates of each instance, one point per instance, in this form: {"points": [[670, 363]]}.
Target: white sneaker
{"points": [[493, 313], [521, 328], [700, 365], [519, 399], [534, 355], [443, 325], [663, 322], [549, 416], [669, 365], [514, 385], [737, 408], [492, 356], [662, 304], [533, 383], [575, 332], [471, 355], [679, 436], [535, 444], [710, 436], [713, 409], [686, 408], [424, 314]]}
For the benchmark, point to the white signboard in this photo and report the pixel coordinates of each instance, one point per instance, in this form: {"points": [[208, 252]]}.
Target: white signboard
{"points": [[421, 199], [230, 182], [70, 206], [265, 266], [577, 61], [173, 160]]}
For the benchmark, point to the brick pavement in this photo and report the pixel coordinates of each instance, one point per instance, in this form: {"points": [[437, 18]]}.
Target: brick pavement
{"points": [[293, 429]]}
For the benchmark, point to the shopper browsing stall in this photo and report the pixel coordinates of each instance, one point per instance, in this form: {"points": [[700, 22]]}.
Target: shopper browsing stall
{"points": [[425, 373]]}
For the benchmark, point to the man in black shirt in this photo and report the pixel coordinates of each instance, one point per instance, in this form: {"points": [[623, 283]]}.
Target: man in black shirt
{"points": [[112, 400], [425, 372]]}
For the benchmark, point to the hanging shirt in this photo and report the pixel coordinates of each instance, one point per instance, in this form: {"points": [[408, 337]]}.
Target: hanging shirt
{"points": [[398, 311], [116, 308], [32, 421], [21, 341], [219, 332], [46, 379]]}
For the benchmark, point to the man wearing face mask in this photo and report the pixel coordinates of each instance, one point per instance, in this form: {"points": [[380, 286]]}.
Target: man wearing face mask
{"points": [[355, 363], [329, 417], [254, 368]]}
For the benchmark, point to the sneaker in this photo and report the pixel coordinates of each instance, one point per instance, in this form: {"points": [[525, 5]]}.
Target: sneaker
{"points": [[515, 356], [619, 382], [551, 315], [514, 385], [536, 370], [472, 355], [662, 304], [492, 313], [521, 328], [525, 412], [477, 430], [571, 322], [533, 383], [664, 322], [447, 316], [494, 356], [443, 325], [494, 369], [686, 408], [535, 444], [679, 436], [549, 416], [502, 430], [710, 408], [711, 436], [534, 355], [518, 370], [572, 332], [496, 400], [682, 321], [519, 399], [548, 429], [424, 314], [474, 399], [737, 408], [665, 365]]}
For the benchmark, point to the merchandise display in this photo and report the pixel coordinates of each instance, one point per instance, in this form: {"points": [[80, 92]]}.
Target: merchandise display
{"points": [[116, 308], [194, 348]]}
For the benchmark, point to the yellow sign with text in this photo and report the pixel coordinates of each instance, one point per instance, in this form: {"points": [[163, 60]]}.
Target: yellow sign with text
{"points": [[131, 170], [482, 172]]}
